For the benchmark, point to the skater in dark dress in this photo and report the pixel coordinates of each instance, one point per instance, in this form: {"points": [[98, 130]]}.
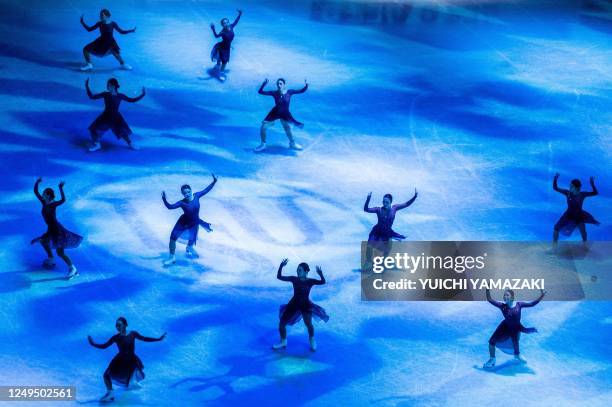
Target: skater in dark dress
{"points": [[125, 366], [382, 232], [56, 237], [105, 44], [221, 51], [574, 216], [280, 111], [111, 119], [300, 305], [187, 225], [507, 335]]}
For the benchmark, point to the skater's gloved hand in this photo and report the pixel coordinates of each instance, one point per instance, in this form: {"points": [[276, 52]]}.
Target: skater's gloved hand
{"points": [[214, 178], [319, 271], [239, 11], [305, 81], [556, 175], [82, 17], [90, 339], [212, 26], [62, 183], [284, 262], [38, 180], [163, 194], [161, 338]]}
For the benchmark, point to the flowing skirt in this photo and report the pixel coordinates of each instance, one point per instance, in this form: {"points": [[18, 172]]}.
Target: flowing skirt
{"points": [[110, 121], [277, 114], [220, 53], [124, 368], [568, 222], [506, 338], [102, 46], [59, 237], [292, 312], [188, 232]]}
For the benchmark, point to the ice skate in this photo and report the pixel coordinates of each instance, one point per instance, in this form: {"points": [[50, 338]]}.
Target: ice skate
{"points": [[489, 364], [260, 148], [95, 147], [313, 344], [87, 67], [207, 227], [133, 146], [170, 260], [190, 252], [49, 263], [108, 397], [72, 272], [126, 67], [295, 146], [281, 345]]}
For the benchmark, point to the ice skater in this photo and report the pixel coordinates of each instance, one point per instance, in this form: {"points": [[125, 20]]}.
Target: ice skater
{"points": [[105, 44], [382, 232], [300, 305], [574, 216], [280, 111], [57, 237], [126, 366], [189, 222], [507, 335], [110, 118], [221, 51]]}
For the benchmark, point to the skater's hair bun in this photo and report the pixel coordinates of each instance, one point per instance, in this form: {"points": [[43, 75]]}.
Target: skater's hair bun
{"points": [[388, 196], [49, 191], [123, 321], [511, 292], [184, 187], [576, 182], [105, 12], [280, 80], [113, 82], [305, 266]]}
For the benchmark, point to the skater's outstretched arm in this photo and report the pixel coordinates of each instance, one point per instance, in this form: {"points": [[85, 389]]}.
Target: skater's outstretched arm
{"points": [[101, 345], [535, 302], [295, 92], [207, 189], [322, 278], [366, 206], [36, 192], [169, 205], [498, 304], [147, 339], [87, 27], [62, 195], [265, 92], [91, 95], [280, 270], [556, 187], [593, 187], [136, 99], [237, 18], [407, 204], [212, 27], [121, 31]]}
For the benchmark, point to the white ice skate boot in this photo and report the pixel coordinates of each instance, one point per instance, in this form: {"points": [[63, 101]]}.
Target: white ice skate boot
{"points": [[133, 146], [87, 67], [190, 252], [95, 147], [108, 397], [519, 359], [490, 363], [126, 67], [313, 344], [260, 148], [170, 260], [72, 272], [295, 146], [281, 345]]}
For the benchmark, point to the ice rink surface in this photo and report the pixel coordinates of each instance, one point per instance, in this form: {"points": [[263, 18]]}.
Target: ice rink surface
{"points": [[476, 105]]}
